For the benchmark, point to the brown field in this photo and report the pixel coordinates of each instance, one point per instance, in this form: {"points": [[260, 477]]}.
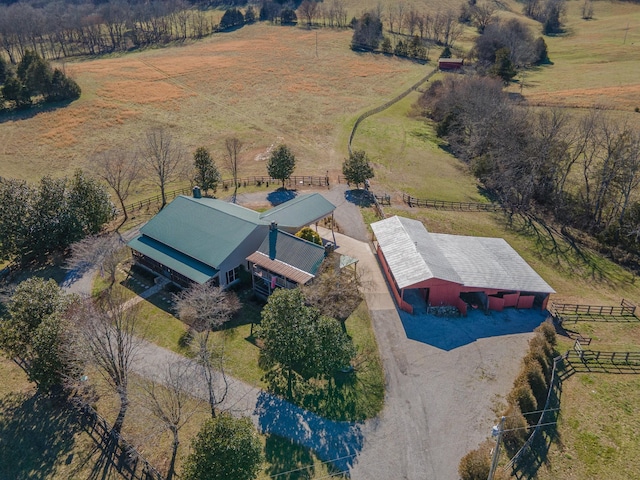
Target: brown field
{"points": [[261, 83]]}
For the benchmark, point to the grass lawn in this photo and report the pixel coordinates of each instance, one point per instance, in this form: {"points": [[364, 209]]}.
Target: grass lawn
{"points": [[355, 396], [405, 151]]}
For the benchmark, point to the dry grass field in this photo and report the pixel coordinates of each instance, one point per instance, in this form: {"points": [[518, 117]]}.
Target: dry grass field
{"points": [[261, 83]]}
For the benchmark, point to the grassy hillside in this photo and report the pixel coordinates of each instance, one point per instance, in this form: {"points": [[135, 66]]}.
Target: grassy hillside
{"points": [[596, 62]]}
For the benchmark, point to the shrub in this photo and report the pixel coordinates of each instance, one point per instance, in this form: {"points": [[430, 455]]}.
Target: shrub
{"points": [[539, 342], [532, 374], [537, 355], [476, 464], [515, 431], [548, 330], [522, 397], [306, 233]]}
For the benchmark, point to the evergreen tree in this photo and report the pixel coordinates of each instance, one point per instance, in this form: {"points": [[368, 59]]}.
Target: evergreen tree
{"points": [[356, 168], [367, 32], [207, 175], [503, 67], [281, 164], [226, 448]]}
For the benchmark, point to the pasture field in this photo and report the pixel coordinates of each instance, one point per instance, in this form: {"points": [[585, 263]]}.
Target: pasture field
{"points": [[261, 83], [598, 424], [596, 62]]}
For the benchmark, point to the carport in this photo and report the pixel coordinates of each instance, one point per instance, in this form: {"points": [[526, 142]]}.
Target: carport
{"points": [[454, 270]]}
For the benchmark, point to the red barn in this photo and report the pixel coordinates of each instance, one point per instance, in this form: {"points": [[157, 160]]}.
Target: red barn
{"points": [[455, 270], [450, 63]]}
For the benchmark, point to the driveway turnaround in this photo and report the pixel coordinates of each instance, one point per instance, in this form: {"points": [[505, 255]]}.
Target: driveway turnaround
{"points": [[444, 378]]}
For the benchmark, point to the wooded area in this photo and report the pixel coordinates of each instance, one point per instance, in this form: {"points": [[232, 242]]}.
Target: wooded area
{"points": [[583, 171]]}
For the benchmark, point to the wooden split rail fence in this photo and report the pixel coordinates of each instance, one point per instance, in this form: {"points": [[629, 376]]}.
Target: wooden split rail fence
{"points": [[445, 205], [122, 456], [570, 311]]}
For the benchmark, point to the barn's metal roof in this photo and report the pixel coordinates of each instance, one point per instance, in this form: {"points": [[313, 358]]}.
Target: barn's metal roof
{"points": [[300, 211], [414, 255], [489, 263]]}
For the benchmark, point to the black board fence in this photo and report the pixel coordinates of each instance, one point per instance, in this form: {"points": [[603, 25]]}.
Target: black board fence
{"points": [[446, 205], [625, 309], [118, 452]]}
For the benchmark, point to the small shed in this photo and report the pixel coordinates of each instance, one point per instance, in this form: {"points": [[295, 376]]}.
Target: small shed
{"points": [[455, 270], [450, 63]]}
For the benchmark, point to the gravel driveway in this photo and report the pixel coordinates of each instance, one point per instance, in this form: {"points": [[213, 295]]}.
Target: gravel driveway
{"points": [[443, 377]]}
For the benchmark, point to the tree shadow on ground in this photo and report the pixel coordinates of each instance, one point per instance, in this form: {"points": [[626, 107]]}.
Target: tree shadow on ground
{"points": [[334, 442], [34, 434], [283, 455], [281, 195], [536, 455], [361, 198], [32, 111]]}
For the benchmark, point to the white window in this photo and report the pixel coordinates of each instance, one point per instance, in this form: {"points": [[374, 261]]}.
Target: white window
{"points": [[232, 275]]}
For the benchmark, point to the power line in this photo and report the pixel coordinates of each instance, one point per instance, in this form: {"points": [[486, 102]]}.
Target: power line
{"points": [[535, 411], [313, 465], [530, 427]]}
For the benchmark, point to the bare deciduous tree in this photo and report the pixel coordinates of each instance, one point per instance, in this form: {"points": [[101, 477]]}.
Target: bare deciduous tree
{"points": [[308, 9], [111, 334], [164, 157], [103, 251], [335, 291], [233, 146], [169, 398], [120, 169], [206, 307]]}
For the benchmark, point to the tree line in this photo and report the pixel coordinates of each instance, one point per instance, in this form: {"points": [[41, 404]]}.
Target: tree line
{"points": [[36, 220], [32, 81], [583, 170], [62, 29]]}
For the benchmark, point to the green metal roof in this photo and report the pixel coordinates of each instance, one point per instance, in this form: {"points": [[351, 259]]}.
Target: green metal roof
{"points": [[183, 264], [294, 251], [205, 229], [300, 211]]}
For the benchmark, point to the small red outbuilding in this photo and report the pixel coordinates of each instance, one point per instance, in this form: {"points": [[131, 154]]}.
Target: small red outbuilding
{"points": [[450, 63], [455, 270]]}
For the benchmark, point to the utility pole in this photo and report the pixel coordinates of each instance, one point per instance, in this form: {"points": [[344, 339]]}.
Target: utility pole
{"points": [[496, 451]]}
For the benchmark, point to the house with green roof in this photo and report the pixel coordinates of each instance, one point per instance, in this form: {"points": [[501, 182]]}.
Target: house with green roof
{"points": [[201, 240]]}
